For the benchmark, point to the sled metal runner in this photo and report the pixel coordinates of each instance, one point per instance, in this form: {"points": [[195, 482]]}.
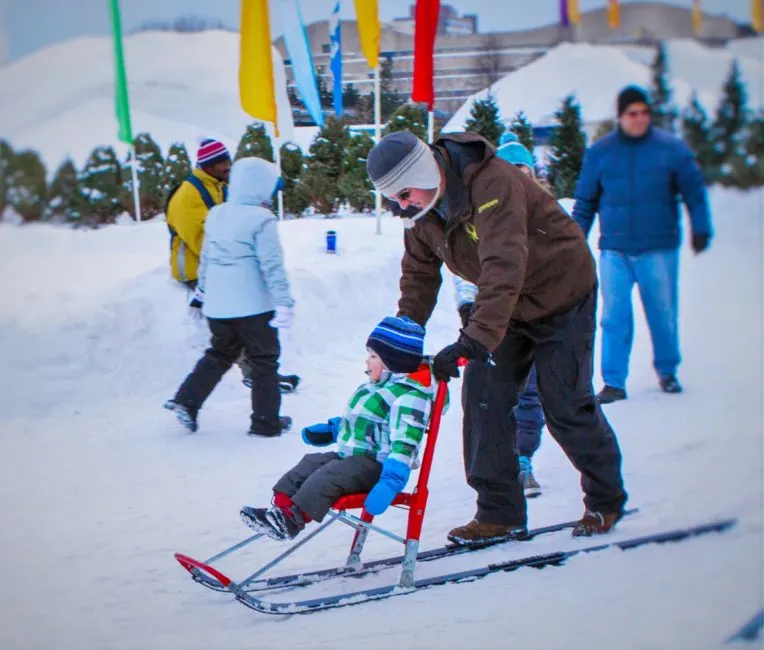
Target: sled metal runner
{"points": [[251, 590], [248, 597]]}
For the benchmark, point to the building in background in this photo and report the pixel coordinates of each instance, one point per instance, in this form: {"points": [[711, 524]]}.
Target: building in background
{"points": [[468, 62], [449, 22]]}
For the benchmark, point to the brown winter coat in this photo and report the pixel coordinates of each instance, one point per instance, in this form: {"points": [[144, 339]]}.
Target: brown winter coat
{"points": [[505, 234]]}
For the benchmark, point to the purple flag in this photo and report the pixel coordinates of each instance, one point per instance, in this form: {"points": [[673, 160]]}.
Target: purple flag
{"points": [[564, 17]]}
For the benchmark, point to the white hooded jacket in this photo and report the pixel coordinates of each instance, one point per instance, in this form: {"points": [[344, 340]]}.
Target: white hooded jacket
{"points": [[241, 270]]}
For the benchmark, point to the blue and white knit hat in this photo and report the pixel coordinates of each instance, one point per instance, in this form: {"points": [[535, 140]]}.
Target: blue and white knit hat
{"points": [[511, 150], [399, 342]]}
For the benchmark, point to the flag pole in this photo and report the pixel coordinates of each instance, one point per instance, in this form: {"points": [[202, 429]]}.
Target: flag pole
{"points": [[136, 190], [377, 134], [430, 127]]}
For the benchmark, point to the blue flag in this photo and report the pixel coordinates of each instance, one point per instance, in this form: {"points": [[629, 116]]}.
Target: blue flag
{"points": [[336, 57], [296, 41]]}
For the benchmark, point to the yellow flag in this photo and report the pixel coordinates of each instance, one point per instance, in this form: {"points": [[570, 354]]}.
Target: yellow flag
{"points": [[613, 14], [367, 18], [574, 13], [257, 89], [757, 15], [697, 17]]}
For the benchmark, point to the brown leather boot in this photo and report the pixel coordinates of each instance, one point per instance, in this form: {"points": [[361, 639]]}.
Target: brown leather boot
{"points": [[476, 533], [595, 523]]}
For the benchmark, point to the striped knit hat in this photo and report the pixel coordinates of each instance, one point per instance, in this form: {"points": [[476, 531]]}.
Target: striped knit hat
{"points": [[210, 152], [399, 342], [401, 160]]}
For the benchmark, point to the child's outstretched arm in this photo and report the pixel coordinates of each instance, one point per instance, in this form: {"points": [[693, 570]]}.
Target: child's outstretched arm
{"points": [[323, 433]]}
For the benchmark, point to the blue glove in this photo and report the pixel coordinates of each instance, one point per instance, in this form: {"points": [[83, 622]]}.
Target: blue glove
{"points": [[323, 434], [393, 479]]}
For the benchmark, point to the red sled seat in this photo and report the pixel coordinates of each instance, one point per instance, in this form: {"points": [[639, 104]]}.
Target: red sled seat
{"points": [[416, 500]]}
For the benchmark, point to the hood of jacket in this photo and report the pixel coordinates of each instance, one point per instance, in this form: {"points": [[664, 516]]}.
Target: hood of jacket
{"points": [[253, 181]]}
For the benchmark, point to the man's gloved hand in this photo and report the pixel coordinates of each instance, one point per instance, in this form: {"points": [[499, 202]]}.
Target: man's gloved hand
{"points": [[283, 318], [322, 434], [465, 312], [195, 304], [393, 479], [444, 364], [700, 242]]}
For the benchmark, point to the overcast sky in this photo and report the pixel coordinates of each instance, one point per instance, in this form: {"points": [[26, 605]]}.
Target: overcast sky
{"points": [[31, 24]]}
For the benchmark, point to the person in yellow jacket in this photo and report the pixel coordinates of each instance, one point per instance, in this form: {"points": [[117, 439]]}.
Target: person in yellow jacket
{"points": [[188, 206]]}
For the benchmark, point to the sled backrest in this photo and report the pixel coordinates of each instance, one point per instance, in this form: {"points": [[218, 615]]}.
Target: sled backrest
{"points": [[425, 376]]}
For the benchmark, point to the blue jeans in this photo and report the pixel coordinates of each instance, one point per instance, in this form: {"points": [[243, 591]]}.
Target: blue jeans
{"points": [[529, 416], [656, 273]]}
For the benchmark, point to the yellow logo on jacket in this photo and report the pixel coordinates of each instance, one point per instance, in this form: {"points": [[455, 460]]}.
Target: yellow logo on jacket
{"points": [[471, 231], [487, 204]]}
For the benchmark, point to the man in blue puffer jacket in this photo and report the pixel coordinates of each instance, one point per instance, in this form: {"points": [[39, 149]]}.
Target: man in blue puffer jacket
{"points": [[633, 177], [244, 293]]}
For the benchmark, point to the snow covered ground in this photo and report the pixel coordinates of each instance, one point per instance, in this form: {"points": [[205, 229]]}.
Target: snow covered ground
{"points": [[99, 486]]}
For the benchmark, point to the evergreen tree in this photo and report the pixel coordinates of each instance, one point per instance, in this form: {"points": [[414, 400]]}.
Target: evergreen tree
{"points": [[729, 132], [350, 97], [6, 154], [755, 149], [484, 119], [101, 187], [365, 109], [603, 128], [292, 165], [325, 96], [150, 172], [696, 132], [567, 147], [255, 142], [27, 188], [409, 117], [324, 168], [354, 184], [389, 99], [177, 167], [664, 114], [523, 129], [64, 196]]}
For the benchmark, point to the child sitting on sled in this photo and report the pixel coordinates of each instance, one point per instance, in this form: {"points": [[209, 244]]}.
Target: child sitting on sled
{"points": [[378, 438]]}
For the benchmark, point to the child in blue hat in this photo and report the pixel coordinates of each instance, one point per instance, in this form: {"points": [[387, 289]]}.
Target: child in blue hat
{"points": [[378, 438]]}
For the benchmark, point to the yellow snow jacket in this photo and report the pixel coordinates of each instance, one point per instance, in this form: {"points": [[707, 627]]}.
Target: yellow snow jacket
{"points": [[186, 213]]}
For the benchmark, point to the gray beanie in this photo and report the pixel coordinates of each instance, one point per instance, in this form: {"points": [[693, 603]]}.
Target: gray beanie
{"points": [[401, 160]]}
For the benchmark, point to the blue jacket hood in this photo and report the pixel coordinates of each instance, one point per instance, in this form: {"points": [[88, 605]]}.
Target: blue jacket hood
{"points": [[253, 181]]}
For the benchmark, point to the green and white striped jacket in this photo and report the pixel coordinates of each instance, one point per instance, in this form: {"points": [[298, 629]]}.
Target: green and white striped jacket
{"points": [[387, 419]]}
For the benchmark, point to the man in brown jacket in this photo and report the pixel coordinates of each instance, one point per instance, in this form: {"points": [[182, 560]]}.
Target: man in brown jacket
{"points": [[536, 301]]}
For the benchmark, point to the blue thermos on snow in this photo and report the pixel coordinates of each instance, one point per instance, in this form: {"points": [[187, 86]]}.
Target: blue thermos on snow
{"points": [[331, 241]]}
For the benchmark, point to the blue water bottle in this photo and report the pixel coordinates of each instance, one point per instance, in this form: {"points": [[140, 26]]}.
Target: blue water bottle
{"points": [[331, 242]]}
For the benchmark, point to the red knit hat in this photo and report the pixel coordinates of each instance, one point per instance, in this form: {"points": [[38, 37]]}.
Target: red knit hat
{"points": [[210, 152]]}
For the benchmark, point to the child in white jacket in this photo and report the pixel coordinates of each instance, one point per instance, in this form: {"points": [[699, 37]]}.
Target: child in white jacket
{"points": [[244, 293]]}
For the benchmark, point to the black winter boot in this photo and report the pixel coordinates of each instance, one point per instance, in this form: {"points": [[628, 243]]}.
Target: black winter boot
{"points": [[258, 428], [610, 394], [278, 523], [670, 384]]}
